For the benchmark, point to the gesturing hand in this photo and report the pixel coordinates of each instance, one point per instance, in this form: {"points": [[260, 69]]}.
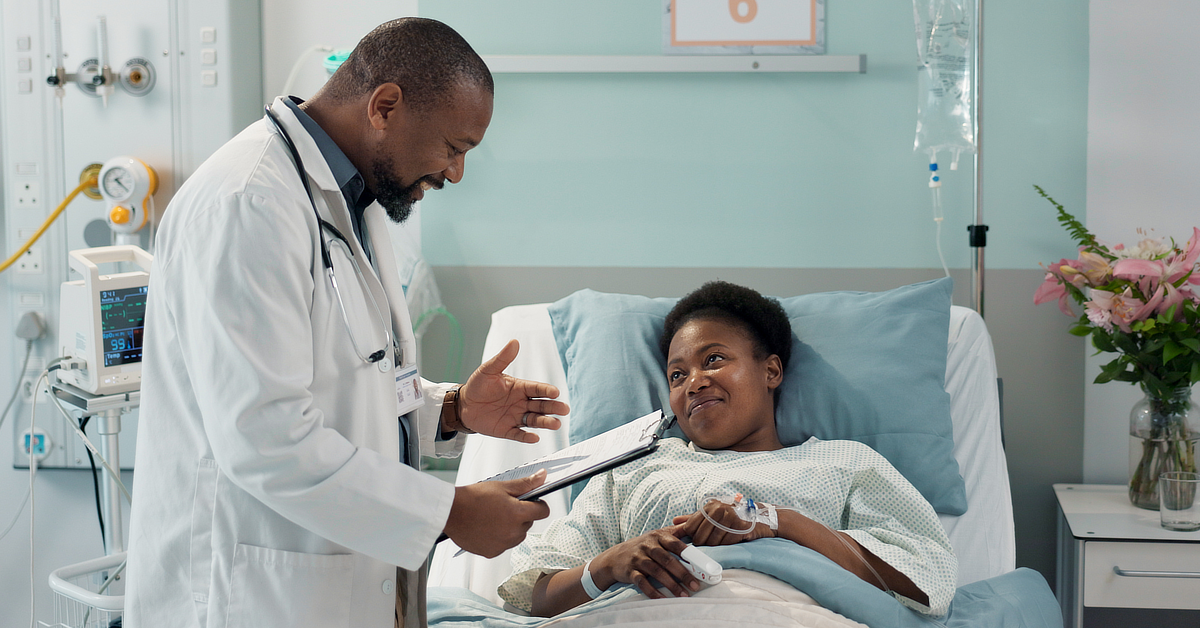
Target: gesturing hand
{"points": [[703, 532], [651, 555], [501, 405]]}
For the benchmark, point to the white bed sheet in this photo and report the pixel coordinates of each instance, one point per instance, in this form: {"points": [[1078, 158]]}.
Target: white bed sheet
{"points": [[983, 537]]}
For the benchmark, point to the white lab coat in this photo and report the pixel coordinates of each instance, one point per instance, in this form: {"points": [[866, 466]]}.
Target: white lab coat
{"points": [[269, 486]]}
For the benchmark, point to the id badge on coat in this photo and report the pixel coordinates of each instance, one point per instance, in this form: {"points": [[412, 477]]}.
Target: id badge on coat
{"points": [[408, 389]]}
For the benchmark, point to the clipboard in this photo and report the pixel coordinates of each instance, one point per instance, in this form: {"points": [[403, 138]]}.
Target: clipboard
{"points": [[593, 456]]}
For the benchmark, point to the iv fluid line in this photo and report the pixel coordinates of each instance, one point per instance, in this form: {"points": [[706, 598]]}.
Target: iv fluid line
{"points": [[938, 219], [935, 191]]}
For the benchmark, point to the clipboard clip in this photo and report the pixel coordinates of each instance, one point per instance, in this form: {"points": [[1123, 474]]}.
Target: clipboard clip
{"points": [[656, 430]]}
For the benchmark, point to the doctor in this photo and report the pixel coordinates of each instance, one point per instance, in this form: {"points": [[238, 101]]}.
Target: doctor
{"points": [[272, 485]]}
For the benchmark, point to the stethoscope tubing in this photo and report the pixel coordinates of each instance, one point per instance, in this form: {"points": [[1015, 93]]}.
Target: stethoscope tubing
{"points": [[326, 258]]}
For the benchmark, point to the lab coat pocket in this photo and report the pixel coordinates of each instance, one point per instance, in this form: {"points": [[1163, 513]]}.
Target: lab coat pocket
{"points": [[270, 588]]}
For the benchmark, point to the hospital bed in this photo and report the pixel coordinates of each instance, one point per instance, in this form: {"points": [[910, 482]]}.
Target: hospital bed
{"points": [[982, 537]]}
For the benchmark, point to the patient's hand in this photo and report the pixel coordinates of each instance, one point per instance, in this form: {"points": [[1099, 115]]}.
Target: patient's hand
{"points": [[500, 405], [486, 518], [703, 532], [651, 555], [636, 561]]}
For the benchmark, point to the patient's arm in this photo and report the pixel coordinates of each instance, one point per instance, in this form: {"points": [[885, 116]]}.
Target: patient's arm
{"points": [[803, 531], [651, 555]]}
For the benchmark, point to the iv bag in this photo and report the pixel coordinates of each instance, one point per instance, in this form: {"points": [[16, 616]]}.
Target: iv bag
{"points": [[945, 48]]}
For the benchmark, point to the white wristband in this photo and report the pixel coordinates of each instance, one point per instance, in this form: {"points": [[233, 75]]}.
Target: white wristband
{"points": [[589, 586]]}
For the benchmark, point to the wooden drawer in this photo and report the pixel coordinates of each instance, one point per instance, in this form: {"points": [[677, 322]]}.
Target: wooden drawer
{"points": [[1104, 588]]}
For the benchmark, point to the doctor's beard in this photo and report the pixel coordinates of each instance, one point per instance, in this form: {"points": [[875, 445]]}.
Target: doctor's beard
{"points": [[396, 198]]}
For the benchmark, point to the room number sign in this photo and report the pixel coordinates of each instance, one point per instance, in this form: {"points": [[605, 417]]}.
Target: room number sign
{"points": [[744, 26]]}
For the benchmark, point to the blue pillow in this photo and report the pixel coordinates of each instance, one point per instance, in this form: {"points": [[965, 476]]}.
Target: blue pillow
{"points": [[865, 366]]}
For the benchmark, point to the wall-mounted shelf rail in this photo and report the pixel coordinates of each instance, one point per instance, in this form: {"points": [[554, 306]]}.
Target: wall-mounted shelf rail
{"points": [[570, 64]]}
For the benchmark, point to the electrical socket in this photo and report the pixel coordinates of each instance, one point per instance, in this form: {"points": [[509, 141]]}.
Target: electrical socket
{"points": [[29, 194], [31, 263], [27, 386], [40, 441]]}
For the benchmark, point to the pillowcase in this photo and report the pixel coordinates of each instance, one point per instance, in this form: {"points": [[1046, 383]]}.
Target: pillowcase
{"points": [[865, 366]]}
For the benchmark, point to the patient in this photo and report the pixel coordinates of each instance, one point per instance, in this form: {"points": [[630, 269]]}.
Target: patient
{"points": [[726, 348]]}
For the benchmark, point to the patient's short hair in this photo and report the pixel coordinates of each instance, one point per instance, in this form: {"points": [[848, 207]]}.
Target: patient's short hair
{"points": [[426, 58], [762, 317]]}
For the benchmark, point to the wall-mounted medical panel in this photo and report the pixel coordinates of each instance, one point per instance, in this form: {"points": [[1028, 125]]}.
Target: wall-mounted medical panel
{"points": [[179, 79]]}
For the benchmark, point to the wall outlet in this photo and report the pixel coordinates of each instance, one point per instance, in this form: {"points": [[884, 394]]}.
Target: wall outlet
{"points": [[28, 384], [38, 441], [31, 263], [29, 194]]}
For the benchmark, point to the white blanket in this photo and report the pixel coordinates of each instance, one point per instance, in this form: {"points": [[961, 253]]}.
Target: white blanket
{"points": [[743, 599]]}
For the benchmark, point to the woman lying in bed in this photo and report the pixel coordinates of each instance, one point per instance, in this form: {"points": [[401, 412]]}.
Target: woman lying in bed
{"points": [[727, 348]]}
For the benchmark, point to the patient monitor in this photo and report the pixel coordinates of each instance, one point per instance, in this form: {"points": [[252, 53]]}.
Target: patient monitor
{"points": [[102, 319]]}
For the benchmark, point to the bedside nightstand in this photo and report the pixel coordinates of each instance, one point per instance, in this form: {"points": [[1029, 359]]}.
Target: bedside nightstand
{"points": [[1118, 567]]}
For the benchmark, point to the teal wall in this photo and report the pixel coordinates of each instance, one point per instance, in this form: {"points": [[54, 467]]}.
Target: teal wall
{"points": [[767, 170]]}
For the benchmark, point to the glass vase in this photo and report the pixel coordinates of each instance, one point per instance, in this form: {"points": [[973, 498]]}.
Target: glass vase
{"points": [[1162, 437]]}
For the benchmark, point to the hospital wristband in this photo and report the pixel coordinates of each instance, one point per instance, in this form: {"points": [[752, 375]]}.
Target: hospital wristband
{"points": [[589, 585]]}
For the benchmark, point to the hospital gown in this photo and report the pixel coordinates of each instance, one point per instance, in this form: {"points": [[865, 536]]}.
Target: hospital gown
{"points": [[845, 485]]}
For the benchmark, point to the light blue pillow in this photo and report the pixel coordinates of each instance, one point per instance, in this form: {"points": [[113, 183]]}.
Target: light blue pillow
{"points": [[865, 366]]}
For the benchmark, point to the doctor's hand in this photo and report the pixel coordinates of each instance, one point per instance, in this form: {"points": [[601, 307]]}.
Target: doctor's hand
{"points": [[500, 405], [486, 518]]}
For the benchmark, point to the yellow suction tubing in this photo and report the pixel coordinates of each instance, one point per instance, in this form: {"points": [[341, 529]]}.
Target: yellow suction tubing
{"points": [[87, 183]]}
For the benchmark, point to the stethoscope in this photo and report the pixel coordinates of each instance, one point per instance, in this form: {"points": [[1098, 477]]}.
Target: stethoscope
{"points": [[338, 241]]}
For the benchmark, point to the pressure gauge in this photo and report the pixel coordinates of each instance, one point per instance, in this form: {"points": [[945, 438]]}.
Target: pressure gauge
{"points": [[127, 184], [117, 183]]}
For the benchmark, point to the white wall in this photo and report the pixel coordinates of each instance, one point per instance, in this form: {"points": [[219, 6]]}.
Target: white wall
{"points": [[290, 27], [1143, 147]]}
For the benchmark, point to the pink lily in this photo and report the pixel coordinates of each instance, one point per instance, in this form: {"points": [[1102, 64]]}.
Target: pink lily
{"points": [[1122, 306], [1182, 265], [1147, 309], [1193, 249], [1172, 297], [1095, 267], [1133, 269], [1098, 316], [1051, 289]]}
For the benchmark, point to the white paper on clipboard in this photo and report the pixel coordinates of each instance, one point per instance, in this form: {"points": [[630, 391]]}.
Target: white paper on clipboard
{"points": [[594, 455]]}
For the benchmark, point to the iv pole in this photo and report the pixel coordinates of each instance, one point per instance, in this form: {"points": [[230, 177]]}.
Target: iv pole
{"points": [[977, 237]]}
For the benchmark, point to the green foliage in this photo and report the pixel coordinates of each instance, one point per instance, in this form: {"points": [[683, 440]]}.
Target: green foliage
{"points": [[1073, 226]]}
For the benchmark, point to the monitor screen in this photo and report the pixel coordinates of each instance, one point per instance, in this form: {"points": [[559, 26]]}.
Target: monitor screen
{"points": [[122, 320]]}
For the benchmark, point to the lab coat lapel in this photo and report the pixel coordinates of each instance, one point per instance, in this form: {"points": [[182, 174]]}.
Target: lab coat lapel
{"points": [[385, 262], [414, 583]]}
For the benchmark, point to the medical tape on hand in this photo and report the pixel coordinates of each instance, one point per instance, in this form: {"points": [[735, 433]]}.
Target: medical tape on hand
{"points": [[762, 513], [747, 510], [589, 585]]}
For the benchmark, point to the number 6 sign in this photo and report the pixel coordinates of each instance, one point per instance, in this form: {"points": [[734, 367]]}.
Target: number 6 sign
{"points": [[744, 26]]}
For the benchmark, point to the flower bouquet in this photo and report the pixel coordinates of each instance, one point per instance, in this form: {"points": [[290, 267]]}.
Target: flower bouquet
{"points": [[1141, 303]]}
